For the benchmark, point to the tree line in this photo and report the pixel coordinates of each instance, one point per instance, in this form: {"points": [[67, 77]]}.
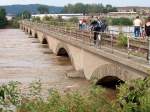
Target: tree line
{"points": [[3, 20], [88, 8]]}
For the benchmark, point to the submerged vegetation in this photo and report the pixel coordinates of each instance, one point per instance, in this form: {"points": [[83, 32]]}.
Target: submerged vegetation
{"points": [[133, 96], [120, 21]]}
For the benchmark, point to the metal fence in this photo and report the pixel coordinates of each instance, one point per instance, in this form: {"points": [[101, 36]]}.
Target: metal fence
{"points": [[109, 41]]}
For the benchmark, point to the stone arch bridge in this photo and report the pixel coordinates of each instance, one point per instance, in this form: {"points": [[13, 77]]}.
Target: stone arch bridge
{"points": [[94, 63]]}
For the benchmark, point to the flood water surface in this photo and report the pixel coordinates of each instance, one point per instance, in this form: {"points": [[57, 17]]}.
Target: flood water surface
{"points": [[25, 60]]}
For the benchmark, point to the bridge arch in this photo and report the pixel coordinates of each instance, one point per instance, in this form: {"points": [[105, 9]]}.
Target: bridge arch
{"points": [[63, 50], [109, 74], [44, 41], [26, 30], [30, 32], [35, 35], [109, 82]]}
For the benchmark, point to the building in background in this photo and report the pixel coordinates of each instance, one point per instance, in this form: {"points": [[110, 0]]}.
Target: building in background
{"points": [[63, 16], [10, 16]]}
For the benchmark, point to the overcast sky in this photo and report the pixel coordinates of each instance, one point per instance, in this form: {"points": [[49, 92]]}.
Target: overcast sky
{"points": [[64, 2]]}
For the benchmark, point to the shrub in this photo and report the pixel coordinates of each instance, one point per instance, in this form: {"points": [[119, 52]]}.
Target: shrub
{"points": [[122, 40], [94, 101], [14, 23], [9, 95], [36, 19], [134, 96], [48, 18], [74, 20]]}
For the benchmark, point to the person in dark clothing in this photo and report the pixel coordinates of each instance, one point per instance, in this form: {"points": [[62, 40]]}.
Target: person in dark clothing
{"points": [[104, 25], [147, 31], [94, 29], [97, 27], [147, 27]]}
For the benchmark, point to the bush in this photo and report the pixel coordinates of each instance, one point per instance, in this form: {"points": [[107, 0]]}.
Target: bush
{"points": [[134, 96], [74, 20], [70, 102], [48, 18], [9, 95], [14, 23], [122, 40], [36, 19]]}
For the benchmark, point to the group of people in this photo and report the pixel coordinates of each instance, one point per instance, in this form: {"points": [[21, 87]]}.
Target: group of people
{"points": [[141, 29], [95, 24], [82, 24], [98, 25]]}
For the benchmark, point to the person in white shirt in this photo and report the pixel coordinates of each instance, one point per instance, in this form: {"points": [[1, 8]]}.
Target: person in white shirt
{"points": [[80, 24], [137, 26]]}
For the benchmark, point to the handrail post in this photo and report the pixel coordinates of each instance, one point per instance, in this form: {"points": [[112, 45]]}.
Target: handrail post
{"points": [[76, 33], [112, 50], [128, 46], [90, 37], [82, 36], [148, 50]]}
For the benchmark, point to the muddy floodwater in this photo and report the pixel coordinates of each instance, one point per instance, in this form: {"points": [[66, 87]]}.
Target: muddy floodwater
{"points": [[25, 60]]}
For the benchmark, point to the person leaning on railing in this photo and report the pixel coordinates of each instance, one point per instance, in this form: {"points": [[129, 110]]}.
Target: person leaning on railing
{"points": [[137, 26], [147, 31]]}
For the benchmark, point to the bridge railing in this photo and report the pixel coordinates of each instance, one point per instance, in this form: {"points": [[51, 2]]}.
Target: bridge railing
{"points": [[108, 41]]}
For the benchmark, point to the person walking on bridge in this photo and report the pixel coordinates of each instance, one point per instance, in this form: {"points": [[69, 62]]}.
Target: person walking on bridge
{"points": [[147, 27], [147, 31], [137, 26]]}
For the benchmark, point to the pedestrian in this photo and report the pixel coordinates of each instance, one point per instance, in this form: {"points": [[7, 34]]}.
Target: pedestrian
{"points": [[93, 26], [84, 24], [104, 25], [147, 27], [96, 28], [80, 24], [147, 31], [137, 26]]}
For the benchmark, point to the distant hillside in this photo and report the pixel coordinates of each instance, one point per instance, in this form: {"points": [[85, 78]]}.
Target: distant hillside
{"points": [[15, 9]]}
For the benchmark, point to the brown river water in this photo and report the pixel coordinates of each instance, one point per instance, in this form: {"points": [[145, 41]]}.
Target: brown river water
{"points": [[25, 60]]}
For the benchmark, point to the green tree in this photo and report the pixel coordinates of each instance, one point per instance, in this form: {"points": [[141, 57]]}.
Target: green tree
{"points": [[48, 18], [24, 15], [88, 8], [109, 8], [3, 20], [43, 9]]}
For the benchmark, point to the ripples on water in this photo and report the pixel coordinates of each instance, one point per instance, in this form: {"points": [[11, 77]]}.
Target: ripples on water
{"points": [[25, 60]]}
